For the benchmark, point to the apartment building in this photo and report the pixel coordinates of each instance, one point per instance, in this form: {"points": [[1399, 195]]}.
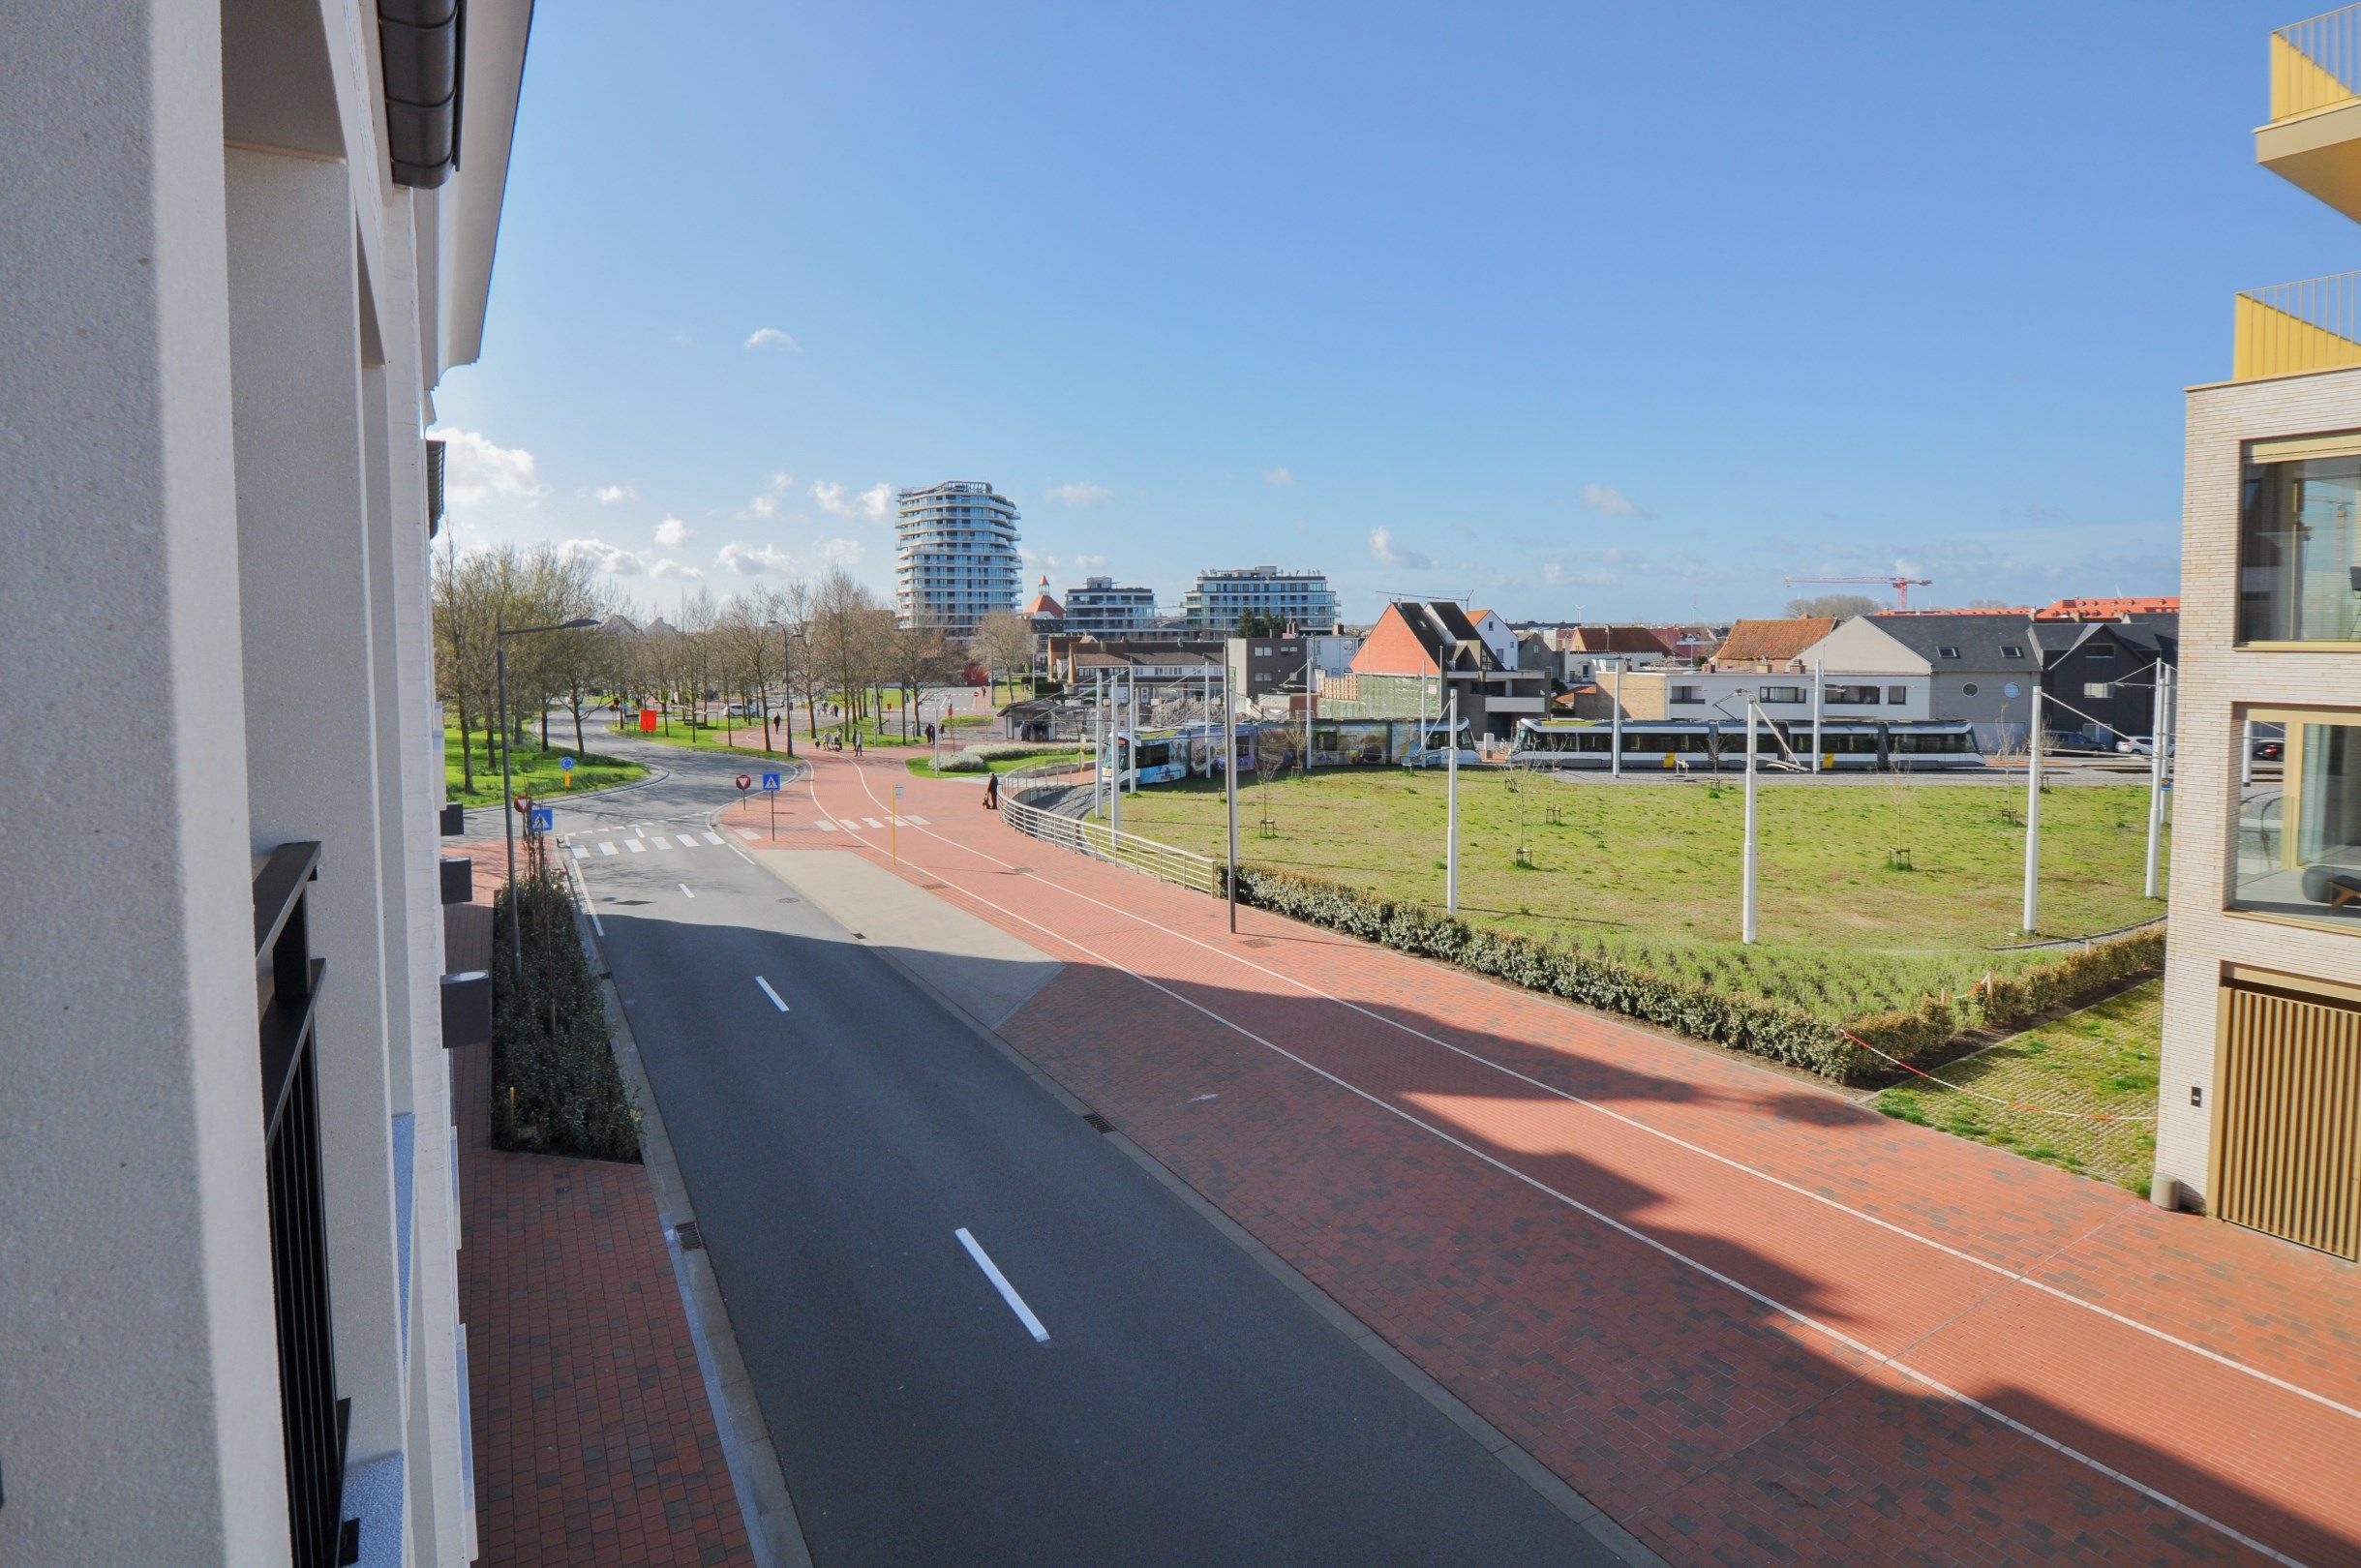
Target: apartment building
{"points": [[228, 1312], [1302, 599], [1979, 666], [955, 557], [1104, 608], [2260, 1104]]}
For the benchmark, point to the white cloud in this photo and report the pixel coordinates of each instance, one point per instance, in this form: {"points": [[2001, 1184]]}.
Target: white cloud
{"points": [[845, 553], [1381, 547], [609, 495], [753, 560], [672, 534], [1278, 476], [674, 568], [1558, 575], [1611, 501], [613, 560], [874, 504], [477, 469], [1089, 563], [1082, 492], [767, 504], [774, 338]]}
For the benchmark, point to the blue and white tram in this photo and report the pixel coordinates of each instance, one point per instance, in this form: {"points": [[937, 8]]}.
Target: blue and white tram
{"points": [[1677, 745]]}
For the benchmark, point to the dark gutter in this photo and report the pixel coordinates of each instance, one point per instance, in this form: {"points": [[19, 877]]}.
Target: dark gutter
{"points": [[423, 43]]}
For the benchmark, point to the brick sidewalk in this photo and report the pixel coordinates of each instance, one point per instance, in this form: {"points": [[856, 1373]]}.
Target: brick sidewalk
{"points": [[1742, 1315], [594, 1440]]}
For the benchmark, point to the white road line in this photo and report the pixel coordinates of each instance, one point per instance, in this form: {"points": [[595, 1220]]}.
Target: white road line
{"points": [[634, 845], [874, 823], [686, 842], [582, 884], [1802, 1318], [746, 833], [772, 994], [713, 838], [579, 850], [825, 826], [915, 821], [687, 892], [606, 846], [1008, 1291], [850, 826]]}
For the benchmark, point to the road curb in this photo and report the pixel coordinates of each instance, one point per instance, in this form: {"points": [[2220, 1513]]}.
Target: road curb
{"points": [[774, 1532], [655, 775], [1517, 1460]]}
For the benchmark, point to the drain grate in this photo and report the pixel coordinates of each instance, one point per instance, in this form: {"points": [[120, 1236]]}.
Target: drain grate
{"points": [[1097, 1121], [1253, 942], [689, 1236]]}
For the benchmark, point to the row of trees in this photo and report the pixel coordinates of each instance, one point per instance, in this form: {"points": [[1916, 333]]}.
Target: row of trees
{"points": [[768, 648]]}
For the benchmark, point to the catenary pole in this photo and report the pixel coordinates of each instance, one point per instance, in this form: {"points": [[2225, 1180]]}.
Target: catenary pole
{"points": [[1746, 877], [1125, 747], [1818, 691], [2160, 729], [1229, 792], [1615, 727], [1452, 808], [2031, 918]]}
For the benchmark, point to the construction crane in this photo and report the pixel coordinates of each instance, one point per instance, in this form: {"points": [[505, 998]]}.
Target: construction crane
{"points": [[1901, 585]]}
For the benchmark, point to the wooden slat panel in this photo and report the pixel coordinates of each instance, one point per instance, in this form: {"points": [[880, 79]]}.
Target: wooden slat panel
{"points": [[2291, 1120]]}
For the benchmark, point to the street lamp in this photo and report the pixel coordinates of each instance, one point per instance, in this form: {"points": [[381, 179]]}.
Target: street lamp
{"points": [[788, 637], [508, 799]]}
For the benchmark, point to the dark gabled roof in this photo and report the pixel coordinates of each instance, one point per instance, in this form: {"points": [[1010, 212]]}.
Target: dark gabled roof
{"points": [[1978, 637], [1454, 620]]}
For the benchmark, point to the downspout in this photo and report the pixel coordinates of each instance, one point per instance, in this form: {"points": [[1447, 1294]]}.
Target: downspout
{"points": [[423, 43]]}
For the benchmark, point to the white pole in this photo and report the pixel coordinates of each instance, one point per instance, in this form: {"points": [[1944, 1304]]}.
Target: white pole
{"points": [[1746, 880], [2246, 754], [1451, 809], [2032, 819], [1816, 697], [1615, 727], [1122, 753], [1097, 750], [1134, 688], [1229, 790], [2159, 730], [1417, 754], [1307, 710]]}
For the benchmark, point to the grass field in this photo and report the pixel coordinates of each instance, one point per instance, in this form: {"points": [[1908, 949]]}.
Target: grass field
{"points": [[1870, 895], [536, 772], [2098, 1062]]}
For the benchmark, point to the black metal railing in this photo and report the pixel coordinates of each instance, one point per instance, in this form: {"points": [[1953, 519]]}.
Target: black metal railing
{"points": [[315, 1418]]}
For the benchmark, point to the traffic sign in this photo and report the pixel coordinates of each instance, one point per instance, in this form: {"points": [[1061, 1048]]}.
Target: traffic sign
{"points": [[770, 781], [543, 819], [745, 782], [524, 805], [566, 762]]}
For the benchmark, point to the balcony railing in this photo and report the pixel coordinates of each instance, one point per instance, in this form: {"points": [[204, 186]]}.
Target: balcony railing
{"points": [[2292, 328], [2315, 64]]}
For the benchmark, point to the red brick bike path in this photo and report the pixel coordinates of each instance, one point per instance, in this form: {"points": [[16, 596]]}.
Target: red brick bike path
{"points": [[594, 1440], [1753, 1321]]}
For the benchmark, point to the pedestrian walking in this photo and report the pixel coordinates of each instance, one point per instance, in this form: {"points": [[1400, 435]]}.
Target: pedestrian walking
{"points": [[991, 792], [856, 744]]}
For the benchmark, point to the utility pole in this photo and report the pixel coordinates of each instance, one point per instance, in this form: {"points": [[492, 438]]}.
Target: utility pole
{"points": [[2032, 920], [1098, 745], [1125, 748], [1747, 878], [1817, 692], [1133, 687], [1615, 727], [1229, 790], [1451, 811], [2160, 729]]}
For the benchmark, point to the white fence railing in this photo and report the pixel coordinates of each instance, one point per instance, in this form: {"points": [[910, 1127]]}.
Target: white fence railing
{"points": [[1097, 839]]}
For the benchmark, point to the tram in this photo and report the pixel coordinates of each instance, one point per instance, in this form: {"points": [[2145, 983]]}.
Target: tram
{"points": [[1719, 746]]}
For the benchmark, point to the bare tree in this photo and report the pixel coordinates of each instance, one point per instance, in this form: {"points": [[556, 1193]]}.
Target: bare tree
{"points": [[847, 640], [915, 659], [1003, 640], [1835, 605]]}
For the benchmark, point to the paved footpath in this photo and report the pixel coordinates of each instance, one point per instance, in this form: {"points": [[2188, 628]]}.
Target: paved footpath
{"points": [[1753, 1321]]}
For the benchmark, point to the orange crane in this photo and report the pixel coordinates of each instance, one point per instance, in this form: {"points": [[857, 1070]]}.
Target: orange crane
{"points": [[1901, 585]]}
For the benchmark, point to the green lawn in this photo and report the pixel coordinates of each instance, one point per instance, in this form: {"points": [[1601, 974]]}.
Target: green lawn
{"points": [[924, 767], [1870, 895], [2098, 1062], [536, 772]]}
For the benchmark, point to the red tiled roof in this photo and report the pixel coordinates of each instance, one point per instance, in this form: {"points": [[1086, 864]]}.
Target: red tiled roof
{"points": [[1772, 640]]}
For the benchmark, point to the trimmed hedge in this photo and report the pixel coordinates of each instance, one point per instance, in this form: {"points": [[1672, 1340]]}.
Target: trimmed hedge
{"points": [[1777, 1030], [555, 1086]]}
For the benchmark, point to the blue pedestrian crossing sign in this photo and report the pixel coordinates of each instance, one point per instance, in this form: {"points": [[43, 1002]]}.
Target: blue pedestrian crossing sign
{"points": [[770, 781], [544, 818]]}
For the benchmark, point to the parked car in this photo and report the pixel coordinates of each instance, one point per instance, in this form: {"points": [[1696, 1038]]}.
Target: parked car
{"points": [[2142, 746], [2269, 750]]}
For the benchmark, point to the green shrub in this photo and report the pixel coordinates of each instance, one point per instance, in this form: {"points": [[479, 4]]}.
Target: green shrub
{"points": [[963, 762], [555, 1086]]}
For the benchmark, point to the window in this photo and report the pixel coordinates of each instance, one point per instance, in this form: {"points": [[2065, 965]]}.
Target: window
{"points": [[1968, 690], [1688, 693], [1947, 652], [2100, 650], [2299, 839], [2098, 690], [1781, 694], [1898, 696], [1851, 696], [2299, 543], [2011, 650]]}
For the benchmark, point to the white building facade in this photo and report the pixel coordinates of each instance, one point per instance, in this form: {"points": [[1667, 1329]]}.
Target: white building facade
{"points": [[1302, 599], [1103, 607], [957, 559], [229, 1294]]}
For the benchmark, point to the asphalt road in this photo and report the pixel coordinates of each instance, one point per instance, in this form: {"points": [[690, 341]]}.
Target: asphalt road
{"points": [[845, 1140]]}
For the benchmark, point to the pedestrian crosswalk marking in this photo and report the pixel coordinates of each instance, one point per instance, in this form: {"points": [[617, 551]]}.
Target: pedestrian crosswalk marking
{"points": [[633, 845], [850, 826], [579, 850], [872, 821], [915, 819], [711, 838], [606, 846], [827, 826], [746, 833], [687, 842]]}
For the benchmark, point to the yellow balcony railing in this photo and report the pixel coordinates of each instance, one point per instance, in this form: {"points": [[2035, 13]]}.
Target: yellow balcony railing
{"points": [[2315, 64], [2290, 328]]}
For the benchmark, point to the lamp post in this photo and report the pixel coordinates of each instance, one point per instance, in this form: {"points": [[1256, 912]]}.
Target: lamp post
{"points": [[508, 800], [1747, 878], [1452, 808], [787, 641], [2031, 921], [1615, 726], [2159, 730], [1229, 792]]}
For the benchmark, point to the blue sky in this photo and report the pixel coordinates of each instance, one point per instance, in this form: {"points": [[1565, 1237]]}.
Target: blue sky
{"points": [[1597, 309]]}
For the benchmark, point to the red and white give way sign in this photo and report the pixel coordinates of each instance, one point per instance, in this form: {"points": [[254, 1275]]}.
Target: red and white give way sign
{"points": [[745, 781]]}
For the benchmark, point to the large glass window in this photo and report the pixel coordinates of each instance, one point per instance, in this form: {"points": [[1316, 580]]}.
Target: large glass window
{"points": [[2299, 835], [2299, 550]]}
